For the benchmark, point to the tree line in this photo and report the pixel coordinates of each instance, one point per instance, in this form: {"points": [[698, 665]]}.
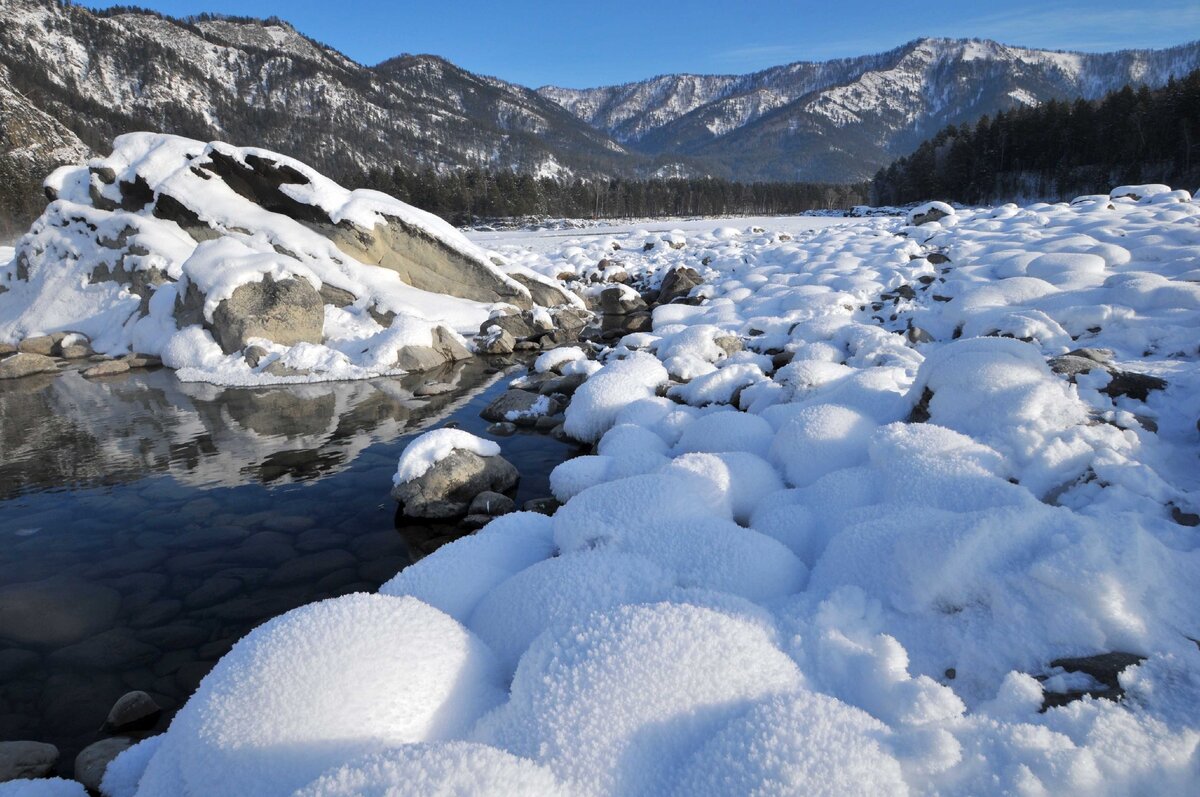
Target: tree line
{"points": [[1057, 150], [468, 195]]}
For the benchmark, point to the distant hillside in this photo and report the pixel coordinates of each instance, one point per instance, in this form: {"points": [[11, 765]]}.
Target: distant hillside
{"points": [[1058, 150]]}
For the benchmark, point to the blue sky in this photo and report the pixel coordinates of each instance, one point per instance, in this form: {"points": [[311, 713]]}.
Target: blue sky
{"points": [[582, 44]]}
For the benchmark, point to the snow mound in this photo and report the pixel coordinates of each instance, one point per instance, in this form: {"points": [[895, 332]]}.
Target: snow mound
{"points": [[319, 686]]}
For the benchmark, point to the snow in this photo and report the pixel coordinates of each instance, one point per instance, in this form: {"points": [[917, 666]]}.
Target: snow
{"points": [[432, 447], [319, 686], [849, 573], [43, 787]]}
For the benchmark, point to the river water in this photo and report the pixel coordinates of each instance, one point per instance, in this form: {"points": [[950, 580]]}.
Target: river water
{"points": [[147, 524]]}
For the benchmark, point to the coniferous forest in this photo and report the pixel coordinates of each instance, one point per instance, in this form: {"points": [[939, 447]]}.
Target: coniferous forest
{"points": [[472, 194], [1057, 150]]}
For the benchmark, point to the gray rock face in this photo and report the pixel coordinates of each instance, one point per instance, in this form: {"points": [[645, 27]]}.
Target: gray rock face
{"points": [[495, 340], [424, 262], [1072, 365], [543, 293], [133, 711], [520, 407], [730, 344], [26, 760], [448, 487], [26, 364], [933, 214], [619, 301], [42, 344], [107, 368], [491, 504], [449, 346], [515, 324], [95, 758], [286, 312], [419, 358], [678, 283]]}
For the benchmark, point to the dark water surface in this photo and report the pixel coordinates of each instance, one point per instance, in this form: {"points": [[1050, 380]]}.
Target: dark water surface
{"points": [[147, 524]]}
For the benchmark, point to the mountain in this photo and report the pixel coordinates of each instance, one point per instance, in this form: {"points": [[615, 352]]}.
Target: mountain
{"points": [[841, 120], [261, 82]]}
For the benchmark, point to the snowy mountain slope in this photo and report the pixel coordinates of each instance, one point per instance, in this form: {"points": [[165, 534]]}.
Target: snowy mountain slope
{"points": [[783, 123], [262, 82]]}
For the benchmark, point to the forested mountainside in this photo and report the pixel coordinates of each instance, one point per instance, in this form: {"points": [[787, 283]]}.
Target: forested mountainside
{"points": [[1058, 150]]}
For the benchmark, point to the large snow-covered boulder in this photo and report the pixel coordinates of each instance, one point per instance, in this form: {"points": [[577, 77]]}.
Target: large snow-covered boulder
{"points": [[194, 251], [442, 471]]}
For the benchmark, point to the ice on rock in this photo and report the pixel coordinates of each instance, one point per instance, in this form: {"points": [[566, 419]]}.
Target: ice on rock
{"points": [[619, 702], [445, 769], [801, 743]]}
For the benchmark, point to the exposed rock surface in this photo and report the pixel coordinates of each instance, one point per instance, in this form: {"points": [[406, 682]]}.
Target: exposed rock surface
{"points": [[25, 364], [26, 760], [95, 758], [448, 487]]}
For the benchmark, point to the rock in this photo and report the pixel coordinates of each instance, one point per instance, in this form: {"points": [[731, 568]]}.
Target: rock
{"points": [[918, 335], [502, 429], [287, 312], [74, 347], [449, 345], [41, 344], [1136, 386], [543, 293], [937, 258], [473, 522], [1102, 356], [1072, 365], [419, 358], [571, 319], [253, 355], [95, 758], [930, 214], [21, 364], [337, 297], [495, 340], [56, 611], [678, 283], [1104, 667], [526, 345], [26, 760], [7, 348], [279, 368], [546, 423], [107, 368], [14, 661], [448, 487], [520, 406], [133, 711], [515, 324], [142, 360], [115, 649], [563, 384], [433, 389], [491, 504], [544, 506], [619, 300], [730, 344]]}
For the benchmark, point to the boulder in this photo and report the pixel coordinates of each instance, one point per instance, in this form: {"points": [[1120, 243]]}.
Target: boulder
{"points": [[1072, 365], [40, 344], [287, 312], [448, 487], [419, 358], [107, 368], [95, 758], [491, 504], [543, 292], [133, 711], [449, 345], [678, 283], [26, 760], [520, 407], [495, 340], [518, 325], [730, 344], [620, 300], [21, 364]]}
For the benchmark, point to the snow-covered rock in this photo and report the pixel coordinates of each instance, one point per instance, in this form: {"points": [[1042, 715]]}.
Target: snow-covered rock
{"points": [[441, 472], [194, 252]]}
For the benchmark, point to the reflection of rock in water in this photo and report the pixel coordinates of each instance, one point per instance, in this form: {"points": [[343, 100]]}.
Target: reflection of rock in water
{"points": [[66, 430], [423, 537]]}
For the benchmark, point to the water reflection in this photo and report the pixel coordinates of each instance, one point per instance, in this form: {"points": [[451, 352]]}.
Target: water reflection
{"points": [[147, 524], [60, 430]]}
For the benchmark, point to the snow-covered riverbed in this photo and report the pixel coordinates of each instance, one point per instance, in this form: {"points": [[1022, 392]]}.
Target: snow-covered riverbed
{"points": [[852, 522]]}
